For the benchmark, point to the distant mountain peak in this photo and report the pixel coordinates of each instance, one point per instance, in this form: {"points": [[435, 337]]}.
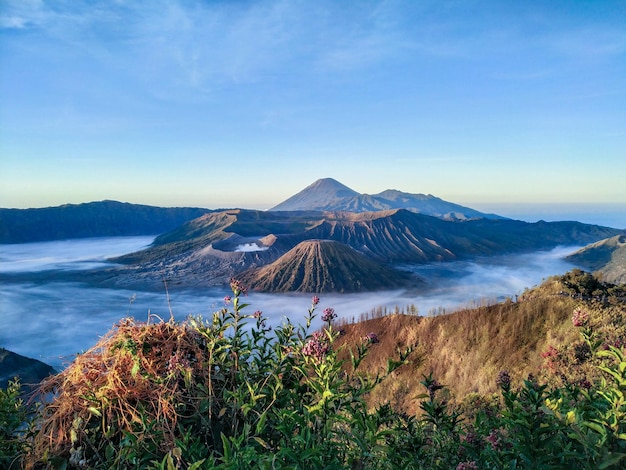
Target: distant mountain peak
{"points": [[321, 194], [328, 194]]}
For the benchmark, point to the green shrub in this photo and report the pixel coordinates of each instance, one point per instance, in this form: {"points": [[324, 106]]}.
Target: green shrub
{"points": [[15, 418], [230, 393]]}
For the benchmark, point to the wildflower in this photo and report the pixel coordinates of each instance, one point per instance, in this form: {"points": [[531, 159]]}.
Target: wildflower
{"points": [[473, 439], [329, 315], [227, 299], [550, 353], [551, 356], [504, 380], [432, 389], [494, 439], [258, 314], [177, 362], [467, 466], [317, 346], [580, 317], [237, 287], [315, 300], [371, 338]]}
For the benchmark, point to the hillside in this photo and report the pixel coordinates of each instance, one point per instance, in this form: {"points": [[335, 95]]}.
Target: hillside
{"points": [[606, 257], [323, 266], [542, 377], [465, 350], [93, 219], [208, 250], [327, 194], [30, 371]]}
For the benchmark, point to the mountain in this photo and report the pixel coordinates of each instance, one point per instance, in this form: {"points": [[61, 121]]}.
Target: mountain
{"points": [[92, 219], [607, 257], [29, 371], [323, 194], [323, 266], [224, 244], [328, 194]]}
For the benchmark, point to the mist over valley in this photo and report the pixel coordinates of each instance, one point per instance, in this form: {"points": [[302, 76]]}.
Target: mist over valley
{"points": [[52, 320], [360, 253]]}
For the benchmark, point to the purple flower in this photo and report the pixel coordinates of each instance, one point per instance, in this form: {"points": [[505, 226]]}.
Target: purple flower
{"points": [[329, 315], [494, 439], [237, 287], [258, 314], [227, 299], [177, 363], [504, 380], [315, 300], [467, 466], [317, 346], [371, 338]]}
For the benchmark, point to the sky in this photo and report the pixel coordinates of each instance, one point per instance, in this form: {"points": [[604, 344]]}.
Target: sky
{"points": [[244, 103]]}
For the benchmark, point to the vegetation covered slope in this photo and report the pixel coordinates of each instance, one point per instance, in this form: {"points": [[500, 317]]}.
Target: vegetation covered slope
{"points": [[465, 350], [93, 219], [607, 257], [229, 392]]}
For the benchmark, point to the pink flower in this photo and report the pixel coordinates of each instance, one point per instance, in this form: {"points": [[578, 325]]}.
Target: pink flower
{"points": [[237, 287], [315, 300], [317, 346], [227, 299], [329, 315], [580, 317]]}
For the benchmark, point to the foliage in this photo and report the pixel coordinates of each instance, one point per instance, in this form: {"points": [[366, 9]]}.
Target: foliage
{"points": [[15, 418], [231, 393]]}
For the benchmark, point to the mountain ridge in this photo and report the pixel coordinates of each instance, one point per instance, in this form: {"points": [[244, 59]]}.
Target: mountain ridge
{"points": [[328, 194], [204, 251], [91, 219], [606, 257]]}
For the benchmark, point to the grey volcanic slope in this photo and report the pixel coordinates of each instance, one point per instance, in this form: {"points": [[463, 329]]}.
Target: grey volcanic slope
{"points": [[323, 266], [328, 194], [606, 257], [93, 219], [206, 251], [323, 194]]}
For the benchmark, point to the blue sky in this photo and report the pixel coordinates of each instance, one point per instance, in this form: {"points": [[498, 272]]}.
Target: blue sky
{"points": [[244, 103]]}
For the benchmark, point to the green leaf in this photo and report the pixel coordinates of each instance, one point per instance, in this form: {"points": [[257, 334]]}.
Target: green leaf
{"points": [[595, 426], [196, 465], [611, 459], [262, 442], [95, 411], [135, 370]]}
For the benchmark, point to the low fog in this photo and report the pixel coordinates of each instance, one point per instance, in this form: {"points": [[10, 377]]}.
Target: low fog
{"points": [[52, 321]]}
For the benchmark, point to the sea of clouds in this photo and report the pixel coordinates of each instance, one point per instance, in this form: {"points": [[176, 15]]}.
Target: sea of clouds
{"points": [[53, 320]]}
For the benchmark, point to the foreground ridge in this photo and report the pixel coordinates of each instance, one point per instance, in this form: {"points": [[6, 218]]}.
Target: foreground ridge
{"points": [[232, 392]]}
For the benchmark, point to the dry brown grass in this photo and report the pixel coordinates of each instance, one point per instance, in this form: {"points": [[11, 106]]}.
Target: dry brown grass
{"points": [[465, 350], [131, 373]]}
